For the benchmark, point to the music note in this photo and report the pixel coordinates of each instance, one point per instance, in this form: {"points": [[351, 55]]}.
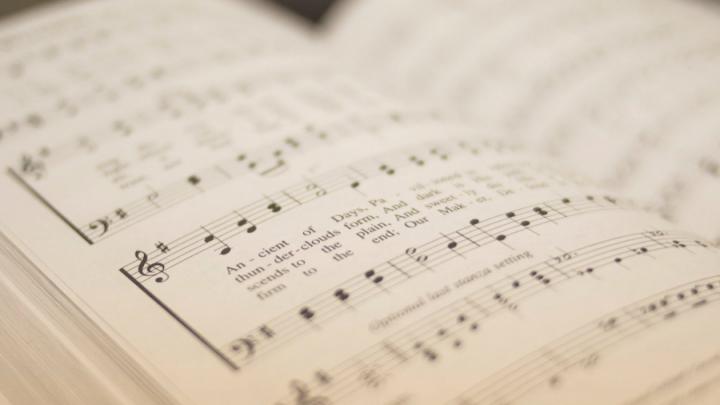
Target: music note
{"points": [[387, 170], [417, 161], [155, 269], [341, 294], [307, 313], [376, 279], [225, 249], [121, 213], [242, 222], [274, 207], [193, 180], [539, 277], [411, 251]]}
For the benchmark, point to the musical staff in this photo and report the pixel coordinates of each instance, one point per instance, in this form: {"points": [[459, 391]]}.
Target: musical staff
{"points": [[581, 347], [267, 160], [452, 326], [413, 262], [273, 205]]}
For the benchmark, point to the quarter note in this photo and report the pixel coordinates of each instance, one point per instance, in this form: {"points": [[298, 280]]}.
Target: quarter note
{"points": [[417, 160], [211, 237], [193, 180], [341, 294], [374, 277], [307, 313], [387, 170], [244, 221]]}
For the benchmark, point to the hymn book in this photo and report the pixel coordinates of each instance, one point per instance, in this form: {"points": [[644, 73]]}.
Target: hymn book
{"points": [[420, 202]]}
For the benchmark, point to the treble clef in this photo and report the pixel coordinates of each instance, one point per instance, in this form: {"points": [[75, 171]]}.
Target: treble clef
{"points": [[155, 269]]}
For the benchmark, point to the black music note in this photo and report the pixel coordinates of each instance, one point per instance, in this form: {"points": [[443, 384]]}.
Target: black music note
{"points": [[539, 277], [677, 244], [341, 295], [372, 276], [292, 143], [322, 377], [120, 213], [122, 127], [608, 324], [387, 170], [441, 155], [155, 269], [211, 237], [193, 180], [314, 187], [540, 211], [430, 354], [355, 184], [242, 222], [504, 301], [274, 207], [417, 161], [307, 313]]}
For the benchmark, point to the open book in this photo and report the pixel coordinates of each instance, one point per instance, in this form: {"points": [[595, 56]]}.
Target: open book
{"points": [[422, 202]]}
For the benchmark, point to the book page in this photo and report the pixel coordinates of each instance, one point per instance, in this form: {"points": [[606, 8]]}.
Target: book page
{"points": [[622, 91], [261, 228]]}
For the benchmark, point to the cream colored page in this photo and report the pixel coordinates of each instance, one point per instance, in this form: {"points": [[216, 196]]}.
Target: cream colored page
{"points": [[625, 92], [264, 230]]}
